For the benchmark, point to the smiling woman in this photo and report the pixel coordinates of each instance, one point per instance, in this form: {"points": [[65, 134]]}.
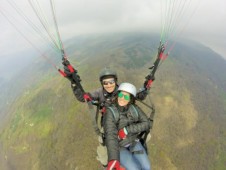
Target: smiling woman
{"points": [[123, 124]]}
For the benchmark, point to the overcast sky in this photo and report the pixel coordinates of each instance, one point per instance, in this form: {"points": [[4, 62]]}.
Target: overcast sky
{"points": [[75, 17]]}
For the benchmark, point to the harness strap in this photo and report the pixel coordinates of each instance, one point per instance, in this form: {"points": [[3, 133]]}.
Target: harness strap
{"points": [[115, 113], [93, 118], [134, 110]]}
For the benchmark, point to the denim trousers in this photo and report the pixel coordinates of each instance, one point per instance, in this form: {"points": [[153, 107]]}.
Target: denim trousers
{"points": [[135, 161]]}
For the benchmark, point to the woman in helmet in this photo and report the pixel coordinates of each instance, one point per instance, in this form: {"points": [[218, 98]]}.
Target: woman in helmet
{"points": [[123, 123]]}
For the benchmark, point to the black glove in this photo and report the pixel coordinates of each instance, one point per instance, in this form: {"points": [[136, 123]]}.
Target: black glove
{"points": [[65, 62], [72, 76], [67, 71], [146, 82], [141, 95]]}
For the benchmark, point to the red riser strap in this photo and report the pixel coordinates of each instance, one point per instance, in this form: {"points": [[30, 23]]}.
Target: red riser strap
{"points": [[70, 68], [62, 73]]}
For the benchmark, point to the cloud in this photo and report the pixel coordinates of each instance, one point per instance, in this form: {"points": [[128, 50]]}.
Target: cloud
{"points": [[106, 16], [76, 17]]}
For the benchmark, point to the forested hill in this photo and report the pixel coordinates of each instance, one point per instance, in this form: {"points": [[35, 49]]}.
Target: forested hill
{"points": [[48, 129]]}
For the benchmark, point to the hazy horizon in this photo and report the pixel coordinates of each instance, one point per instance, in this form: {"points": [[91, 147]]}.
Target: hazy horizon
{"points": [[204, 21]]}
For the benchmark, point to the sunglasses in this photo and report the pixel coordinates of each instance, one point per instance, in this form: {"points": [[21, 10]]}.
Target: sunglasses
{"points": [[108, 82], [126, 96]]}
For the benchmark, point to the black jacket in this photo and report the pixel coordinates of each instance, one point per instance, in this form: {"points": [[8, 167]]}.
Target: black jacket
{"points": [[133, 125]]}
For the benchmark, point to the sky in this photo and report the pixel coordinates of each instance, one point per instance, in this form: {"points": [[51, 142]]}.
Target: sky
{"points": [[204, 21]]}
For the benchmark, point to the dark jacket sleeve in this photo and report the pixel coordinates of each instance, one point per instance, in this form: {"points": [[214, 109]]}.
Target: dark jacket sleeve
{"points": [[78, 93], [95, 95], [143, 123], [111, 136]]}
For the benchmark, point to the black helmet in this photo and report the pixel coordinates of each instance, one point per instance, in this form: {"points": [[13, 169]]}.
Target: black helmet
{"points": [[107, 72]]}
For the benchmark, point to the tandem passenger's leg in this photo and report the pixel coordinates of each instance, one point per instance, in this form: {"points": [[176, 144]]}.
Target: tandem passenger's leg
{"points": [[127, 160], [141, 158]]}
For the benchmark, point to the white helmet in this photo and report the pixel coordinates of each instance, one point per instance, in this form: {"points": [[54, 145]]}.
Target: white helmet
{"points": [[127, 87]]}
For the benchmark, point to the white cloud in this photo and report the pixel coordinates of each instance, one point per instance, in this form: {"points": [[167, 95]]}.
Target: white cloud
{"points": [[77, 17]]}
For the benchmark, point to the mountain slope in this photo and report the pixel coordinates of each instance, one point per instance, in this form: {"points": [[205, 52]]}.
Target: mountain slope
{"points": [[49, 129]]}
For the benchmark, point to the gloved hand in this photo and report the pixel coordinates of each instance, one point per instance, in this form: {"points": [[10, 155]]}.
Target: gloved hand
{"points": [[113, 165], [67, 71], [87, 97], [68, 68], [142, 94], [122, 133], [148, 83], [65, 62]]}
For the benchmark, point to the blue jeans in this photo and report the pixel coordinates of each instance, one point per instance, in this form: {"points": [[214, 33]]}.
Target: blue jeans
{"points": [[136, 161]]}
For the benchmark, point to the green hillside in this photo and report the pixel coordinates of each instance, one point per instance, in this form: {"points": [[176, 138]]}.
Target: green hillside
{"points": [[49, 130]]}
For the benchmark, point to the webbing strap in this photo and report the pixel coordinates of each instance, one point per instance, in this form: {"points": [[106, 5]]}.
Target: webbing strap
{"points": [[116, 117], [135, 111]]}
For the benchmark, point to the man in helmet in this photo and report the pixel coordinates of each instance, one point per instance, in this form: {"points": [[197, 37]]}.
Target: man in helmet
{"points": [[101, 97]]}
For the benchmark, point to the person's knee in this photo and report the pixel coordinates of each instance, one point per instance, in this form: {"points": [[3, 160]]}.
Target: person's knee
{"points": [[146, 167]]}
